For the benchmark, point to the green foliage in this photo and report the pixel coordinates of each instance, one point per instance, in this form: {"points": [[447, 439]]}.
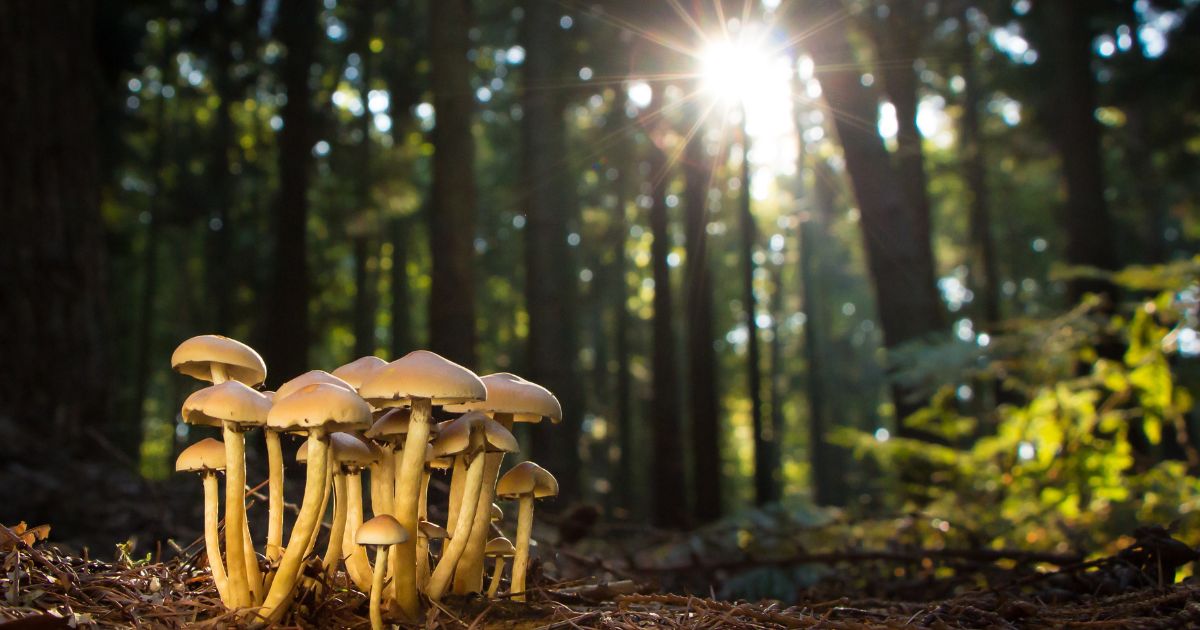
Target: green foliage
{"points": [[1081, 448]]}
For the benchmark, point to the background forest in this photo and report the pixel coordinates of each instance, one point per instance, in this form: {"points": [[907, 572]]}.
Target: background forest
{"points": [[891, 256]]}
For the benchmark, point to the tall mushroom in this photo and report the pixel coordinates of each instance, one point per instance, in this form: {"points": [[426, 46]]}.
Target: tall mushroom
{"points": [[381, 532], [510, 399], [358, 565], [236, 409], [318, 409], [275, 459], [217, 359], [207, 457], [418, 380], [525, 482], [500, 549], [350, 454], [388, 432], [471, 436]]}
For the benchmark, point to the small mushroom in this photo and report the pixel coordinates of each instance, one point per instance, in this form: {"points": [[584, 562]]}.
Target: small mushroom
{"points": [[207, 457], [499, 549], [317, 409], [525, 482], [471, 436], [381, 532], [357, 371], [349, 454], [510, 399], [417, 380], [428, 532]]}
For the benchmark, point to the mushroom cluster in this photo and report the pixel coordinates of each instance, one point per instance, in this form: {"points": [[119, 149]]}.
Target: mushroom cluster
{"points": [[375, 417]]}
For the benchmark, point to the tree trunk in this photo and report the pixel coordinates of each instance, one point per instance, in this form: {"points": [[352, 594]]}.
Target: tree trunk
{"points": [[897, 257], [219, 268], [701, 356], [452, 215], [288, 331], [983, 249], [618, 297], [404, 92], [1086, 222], [52, 246], [551, 290], [364, 286]]}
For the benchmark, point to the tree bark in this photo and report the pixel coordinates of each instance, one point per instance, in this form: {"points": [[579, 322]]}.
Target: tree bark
{"points": [[288, 331], [897, 257], [219, 268], [52, 324], [983, 248], [364, 285], [551, 290], [701, 356], [452, 215]]}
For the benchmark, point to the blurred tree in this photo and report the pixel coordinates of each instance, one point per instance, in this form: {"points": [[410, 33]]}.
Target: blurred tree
{"points": [[365, 215]]}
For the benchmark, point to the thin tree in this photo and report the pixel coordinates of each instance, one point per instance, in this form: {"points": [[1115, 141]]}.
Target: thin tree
{"points": [[364, 288], [984, 271]]}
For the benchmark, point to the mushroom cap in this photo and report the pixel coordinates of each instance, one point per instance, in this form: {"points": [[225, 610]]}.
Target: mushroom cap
{"points": [[434, 462], [527, 478], [381, 530], [205, 455], [499, 547], [509, 393], [230, 401], [422, 374], [497, 513], [392, 426], [320, 405], [357, 371], [195, 357], [455, 436], [432, 530], [351, 450], [306, 379]]}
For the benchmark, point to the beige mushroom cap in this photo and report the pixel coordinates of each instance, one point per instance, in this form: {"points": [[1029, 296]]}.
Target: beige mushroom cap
{"points": [[435, 462], [205, 455], [309, 378], [499, 547], [357, 371], [422, 374], [392, 426], [455, 436], [230, 401], [195, 357], [320, 405], [527, 478], [432, 530], [509, 393], [381, 530], [497, 513], [351, 450]]}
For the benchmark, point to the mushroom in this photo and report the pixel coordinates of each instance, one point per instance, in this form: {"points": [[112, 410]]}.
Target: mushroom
{"points": [[388, 432], [510, 399], [318, 409], [350, 454], [357, 371], [500, 549], [470, 436], [275, 461], [525, 482], [358, 565], [326, 492], [418, 380], [380, 532], [207, 457], [427, 532], [235, 408]]}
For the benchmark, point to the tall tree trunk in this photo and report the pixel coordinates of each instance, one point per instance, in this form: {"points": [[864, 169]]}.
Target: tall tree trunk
{"points": [[1086, 222], [983, 248], [701, 356], [288, 331], [404, 92], [766, 478], [52, 247], [551, 290], [618, 297], [668, 482], [219, 268], [452, 215], [402, 336], [897, 257], [364, 286]]}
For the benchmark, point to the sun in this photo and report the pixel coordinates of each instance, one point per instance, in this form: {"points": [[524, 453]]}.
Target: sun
{"points": [[736, 71]]}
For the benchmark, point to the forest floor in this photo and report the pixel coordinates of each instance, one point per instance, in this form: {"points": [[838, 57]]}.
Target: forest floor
{"points": [[44, 586]]}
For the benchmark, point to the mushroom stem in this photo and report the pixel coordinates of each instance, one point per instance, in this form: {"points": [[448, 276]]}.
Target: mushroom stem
{"points": [[468, 578], [253, 573], [440, 578], [327, 490], [275, 496], [497, 572], [235, 515], [212, 538], [521, 560], [412, 463], [333, 549], [456, 490], [423, 542], [280, 594], [383, 482], [377, 587], [357, 564]]}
